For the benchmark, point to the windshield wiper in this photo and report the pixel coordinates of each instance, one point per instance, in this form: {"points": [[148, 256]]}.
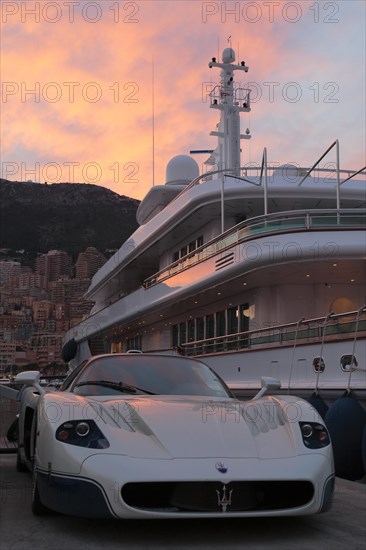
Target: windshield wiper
{"points": [[120, 386]]}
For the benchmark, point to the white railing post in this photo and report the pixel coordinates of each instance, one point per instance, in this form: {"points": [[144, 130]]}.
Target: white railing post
{"points": [[265, 182], [338, 183], [222, 203]]}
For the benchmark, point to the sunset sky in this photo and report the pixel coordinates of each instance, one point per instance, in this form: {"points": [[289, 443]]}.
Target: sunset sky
{"points": [[77, 85]]}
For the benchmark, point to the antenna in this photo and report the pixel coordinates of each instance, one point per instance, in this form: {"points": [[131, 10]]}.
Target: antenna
{"points": [[153, 119]]}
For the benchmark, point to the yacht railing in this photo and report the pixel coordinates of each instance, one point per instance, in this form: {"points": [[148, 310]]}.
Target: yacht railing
{"points": [[337, 170], [272, 170], [282, 222], [304, 331], [267, 170]]}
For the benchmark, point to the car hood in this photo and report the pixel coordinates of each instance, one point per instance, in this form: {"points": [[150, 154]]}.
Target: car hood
{"points": [[183, 427]]}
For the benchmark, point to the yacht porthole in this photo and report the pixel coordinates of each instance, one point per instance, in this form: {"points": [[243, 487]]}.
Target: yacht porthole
{"points": [[318, 364], [347, 362]]}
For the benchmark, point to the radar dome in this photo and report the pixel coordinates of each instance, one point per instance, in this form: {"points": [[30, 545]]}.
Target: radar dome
{"points": [[228, 55], [181, 169]]}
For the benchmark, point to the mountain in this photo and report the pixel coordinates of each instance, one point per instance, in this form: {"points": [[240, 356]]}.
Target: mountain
{"points": [[66, 216]]}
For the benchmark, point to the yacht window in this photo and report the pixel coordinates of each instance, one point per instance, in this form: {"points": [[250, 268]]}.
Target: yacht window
{"points": [[210, 326], [220, 329], [220, 323], [182, 333], [191, 330], [244, 325], [116, 347], [318, 364], [134, 343], [347, 361], [244, 317], [175, 336], [232, 326], [200, 328], [232, 320], [214, 325], [188, 248], [210, 332]]}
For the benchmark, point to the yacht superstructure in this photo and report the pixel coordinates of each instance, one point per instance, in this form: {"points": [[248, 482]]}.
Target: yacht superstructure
{"points": [[259, 271]]}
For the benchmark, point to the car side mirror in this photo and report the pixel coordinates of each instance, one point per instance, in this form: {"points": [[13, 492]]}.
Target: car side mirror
{"points": [[267, 384], [29, 378]]}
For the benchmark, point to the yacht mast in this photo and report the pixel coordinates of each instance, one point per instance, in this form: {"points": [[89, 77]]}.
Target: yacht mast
{"points": [[231, 101]]}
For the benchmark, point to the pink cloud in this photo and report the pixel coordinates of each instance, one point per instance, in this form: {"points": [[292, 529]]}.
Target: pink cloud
{"points": [[114, 60]]}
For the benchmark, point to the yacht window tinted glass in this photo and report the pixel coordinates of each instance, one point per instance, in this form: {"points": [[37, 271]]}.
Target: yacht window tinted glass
{"points": [[210, 326], [232, 320], [189, 247]]}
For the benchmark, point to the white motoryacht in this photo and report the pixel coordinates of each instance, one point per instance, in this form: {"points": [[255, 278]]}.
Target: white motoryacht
{"points": [[256, 270]]}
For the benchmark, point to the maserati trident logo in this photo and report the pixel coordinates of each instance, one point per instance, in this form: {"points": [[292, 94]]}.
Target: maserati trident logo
{"points": [[220, 466], [222, 499]]}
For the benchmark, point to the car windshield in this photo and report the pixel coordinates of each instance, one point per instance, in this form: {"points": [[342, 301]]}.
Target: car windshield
{"points": [[148, 374]]}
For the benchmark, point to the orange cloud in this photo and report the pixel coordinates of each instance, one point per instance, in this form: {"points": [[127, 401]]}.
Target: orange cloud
{"points": [[81, 92]]}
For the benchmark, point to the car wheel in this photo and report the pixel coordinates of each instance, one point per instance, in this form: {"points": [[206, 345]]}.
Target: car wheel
{"points": [[38, 508], [20, 466], [13, 431]]}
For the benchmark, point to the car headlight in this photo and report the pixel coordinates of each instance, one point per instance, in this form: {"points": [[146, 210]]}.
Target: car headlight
{"points": [[84, 433], [314, 435]]}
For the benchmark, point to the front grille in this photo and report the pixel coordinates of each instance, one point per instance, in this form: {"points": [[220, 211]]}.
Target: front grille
{"points": [[210, 496]]}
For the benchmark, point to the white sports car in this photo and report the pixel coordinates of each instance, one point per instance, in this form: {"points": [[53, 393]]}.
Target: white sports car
{"points": [[158, 436]]}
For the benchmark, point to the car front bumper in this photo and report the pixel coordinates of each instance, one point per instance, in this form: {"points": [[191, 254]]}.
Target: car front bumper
{"points": [[118, 486]]}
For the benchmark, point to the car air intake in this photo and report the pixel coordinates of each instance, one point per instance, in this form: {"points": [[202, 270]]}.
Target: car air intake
{"points": [[236, 496]]}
